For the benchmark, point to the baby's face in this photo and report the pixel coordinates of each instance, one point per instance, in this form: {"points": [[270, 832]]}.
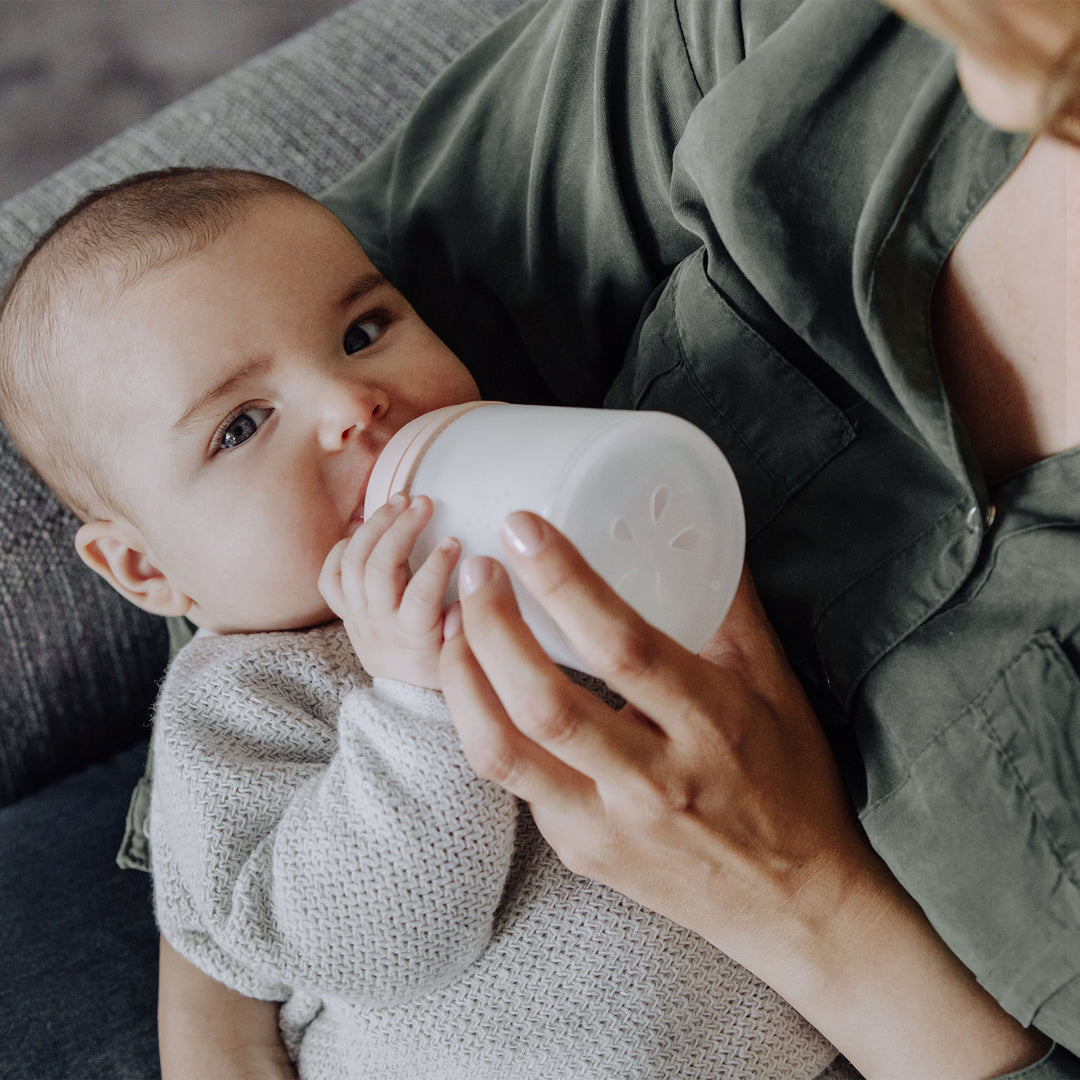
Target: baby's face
{"points": [[256, 383]]}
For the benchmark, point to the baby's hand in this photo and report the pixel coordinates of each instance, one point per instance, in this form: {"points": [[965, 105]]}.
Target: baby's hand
{"points": [[394, 619]]}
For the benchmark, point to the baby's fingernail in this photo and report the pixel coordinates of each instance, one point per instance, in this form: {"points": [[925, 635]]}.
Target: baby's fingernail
{"points": [[399, 498], [523, 532], [475, 570], [452, 622]]}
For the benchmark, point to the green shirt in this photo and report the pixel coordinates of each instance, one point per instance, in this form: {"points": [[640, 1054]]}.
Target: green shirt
{"points": [[738, 214]]}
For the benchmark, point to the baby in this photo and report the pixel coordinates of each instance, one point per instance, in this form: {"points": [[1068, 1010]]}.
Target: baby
{"points": [[204, 365]]}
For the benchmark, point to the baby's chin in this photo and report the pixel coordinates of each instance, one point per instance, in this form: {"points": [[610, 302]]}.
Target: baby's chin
{"points": [[266, 622]]}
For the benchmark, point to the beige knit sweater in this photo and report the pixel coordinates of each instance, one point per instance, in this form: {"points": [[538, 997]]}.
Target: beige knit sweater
{"points": [[319, 839]]}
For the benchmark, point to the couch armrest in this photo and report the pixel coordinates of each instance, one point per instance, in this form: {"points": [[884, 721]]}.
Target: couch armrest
{"points": [[78, 666]]}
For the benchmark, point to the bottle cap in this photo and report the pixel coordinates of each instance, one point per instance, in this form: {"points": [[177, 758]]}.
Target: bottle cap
{"points": [[396, 464]]}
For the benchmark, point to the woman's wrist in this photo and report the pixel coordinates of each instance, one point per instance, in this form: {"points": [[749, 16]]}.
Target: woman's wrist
{"points": [[859, 959]]}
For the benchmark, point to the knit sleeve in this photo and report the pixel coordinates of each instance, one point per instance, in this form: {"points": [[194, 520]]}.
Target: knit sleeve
{"points": [[309, 833]]}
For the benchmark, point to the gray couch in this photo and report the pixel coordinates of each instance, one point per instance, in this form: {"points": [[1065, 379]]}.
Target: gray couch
{"points": [[78, 666]]}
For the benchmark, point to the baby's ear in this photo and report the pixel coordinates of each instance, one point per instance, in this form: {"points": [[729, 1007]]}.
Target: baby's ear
{"points": [[117, 551]]}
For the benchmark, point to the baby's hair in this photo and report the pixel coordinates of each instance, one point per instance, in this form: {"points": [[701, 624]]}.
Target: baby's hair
{"points": [[109, 239]]}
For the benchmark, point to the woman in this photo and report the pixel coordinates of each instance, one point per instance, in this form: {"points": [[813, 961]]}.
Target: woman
{"points": [[777, 207]]}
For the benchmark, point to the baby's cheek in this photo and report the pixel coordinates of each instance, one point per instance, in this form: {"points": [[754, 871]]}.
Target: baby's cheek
{"points": [[285, 582]]}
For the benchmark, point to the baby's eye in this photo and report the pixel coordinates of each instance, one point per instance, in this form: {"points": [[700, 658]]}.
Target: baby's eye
{"points": [[242, 426], [360, 335]]}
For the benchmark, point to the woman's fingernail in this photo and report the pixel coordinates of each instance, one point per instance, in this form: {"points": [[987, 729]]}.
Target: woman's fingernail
{"points": [[475, 570], [451, 626], [523, 532]]}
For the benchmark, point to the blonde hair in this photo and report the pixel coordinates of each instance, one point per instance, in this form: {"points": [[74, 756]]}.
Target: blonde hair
{"points": [[111, 237]]}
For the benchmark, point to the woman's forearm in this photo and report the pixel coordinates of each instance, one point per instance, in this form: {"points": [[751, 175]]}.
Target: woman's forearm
{"points": [[861, 962], [208, 1032]]}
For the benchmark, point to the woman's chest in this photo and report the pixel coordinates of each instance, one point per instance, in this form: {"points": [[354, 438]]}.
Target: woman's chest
{"points": [[1006, 315]]}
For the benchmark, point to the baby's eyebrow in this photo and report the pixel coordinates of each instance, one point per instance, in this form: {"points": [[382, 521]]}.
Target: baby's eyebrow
{"points": [[362, 284], [222, 389]]}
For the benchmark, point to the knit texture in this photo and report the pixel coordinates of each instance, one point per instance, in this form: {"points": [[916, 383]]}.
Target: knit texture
{"points": [[319, 839]]}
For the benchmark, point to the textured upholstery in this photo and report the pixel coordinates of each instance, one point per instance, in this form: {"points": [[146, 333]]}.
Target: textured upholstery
{"points": [[78, 666]]}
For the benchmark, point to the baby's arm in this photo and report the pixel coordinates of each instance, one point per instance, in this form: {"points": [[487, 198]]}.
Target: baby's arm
{"points": [[206, 1029], [394, 619], [310, 831]]}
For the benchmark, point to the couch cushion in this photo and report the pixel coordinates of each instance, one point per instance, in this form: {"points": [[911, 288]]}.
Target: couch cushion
{"points": [[79, 993]]}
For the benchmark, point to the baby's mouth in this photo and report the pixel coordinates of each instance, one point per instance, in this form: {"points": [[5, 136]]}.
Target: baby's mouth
{"points": [[356, 519]]}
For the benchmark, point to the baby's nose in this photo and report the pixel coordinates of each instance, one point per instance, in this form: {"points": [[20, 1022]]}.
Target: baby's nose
{"points": [[348, 408]]}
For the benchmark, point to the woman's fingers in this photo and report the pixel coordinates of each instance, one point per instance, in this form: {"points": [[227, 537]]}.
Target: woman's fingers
{"points": [[522, 685], [746, 645], [494, 746], [635, 659]]}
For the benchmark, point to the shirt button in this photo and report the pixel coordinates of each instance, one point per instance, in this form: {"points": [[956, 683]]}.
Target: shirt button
{"points": [[991, 514], [826, 678]]}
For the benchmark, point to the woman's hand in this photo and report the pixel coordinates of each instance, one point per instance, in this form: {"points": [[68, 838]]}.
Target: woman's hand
{"points": [[712, 798], [394, 618], [714, 785]]}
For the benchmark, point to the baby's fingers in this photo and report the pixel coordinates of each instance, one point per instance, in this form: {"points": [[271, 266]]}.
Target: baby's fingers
{"points": [[422, 602], [342, 579], [386, 570], [330, 579]]}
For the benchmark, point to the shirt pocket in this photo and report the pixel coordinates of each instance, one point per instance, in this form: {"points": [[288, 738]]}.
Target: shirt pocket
{"points": [[1031, 715], [984, 829], [694, 355]]}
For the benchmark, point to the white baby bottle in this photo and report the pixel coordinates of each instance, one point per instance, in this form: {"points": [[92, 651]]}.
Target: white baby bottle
{"points": [[647, 498]]}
